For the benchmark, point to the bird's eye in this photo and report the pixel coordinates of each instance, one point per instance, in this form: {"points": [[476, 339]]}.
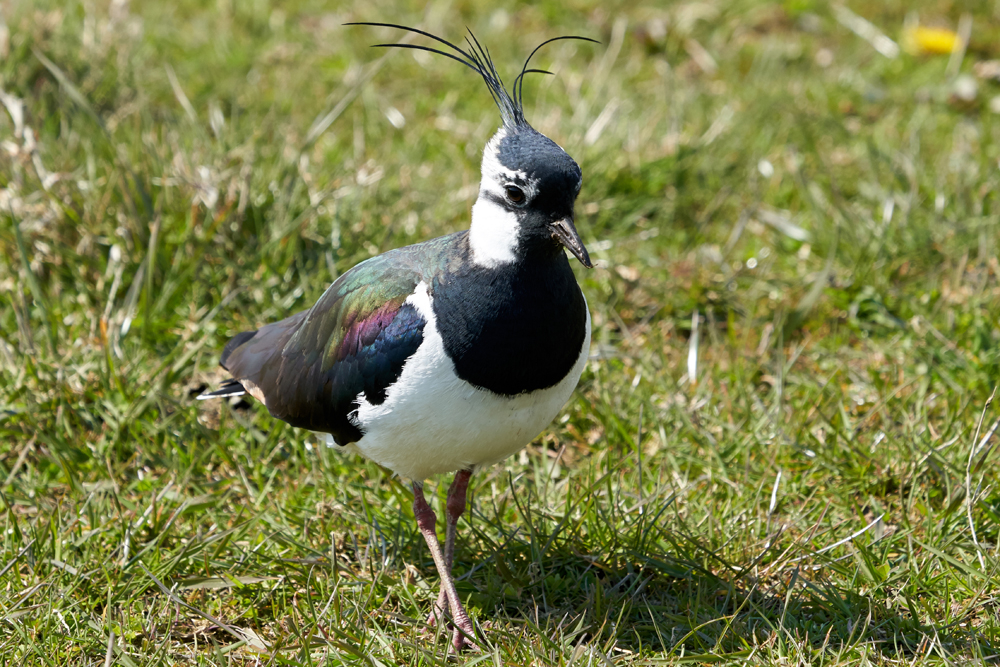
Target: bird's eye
{"points": [[515, 194]]}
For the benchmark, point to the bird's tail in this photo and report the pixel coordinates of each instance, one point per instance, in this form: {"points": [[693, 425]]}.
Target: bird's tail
{"points": [[228, 389]]}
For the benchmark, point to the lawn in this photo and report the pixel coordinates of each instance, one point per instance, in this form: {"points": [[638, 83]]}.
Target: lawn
{"points": [[782, 451]]}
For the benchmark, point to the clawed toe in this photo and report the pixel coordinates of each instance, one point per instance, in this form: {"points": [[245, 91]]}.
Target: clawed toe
{"points": [[460, 641], [464, 642], [432, 618]]}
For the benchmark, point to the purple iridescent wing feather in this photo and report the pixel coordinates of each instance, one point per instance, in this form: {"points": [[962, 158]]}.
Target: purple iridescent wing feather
{"points": [[310, 368]]}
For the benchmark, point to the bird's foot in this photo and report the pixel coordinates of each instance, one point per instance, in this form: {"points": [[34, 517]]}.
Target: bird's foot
{"points": [[464, 639], [463, 633], [439, 610]]}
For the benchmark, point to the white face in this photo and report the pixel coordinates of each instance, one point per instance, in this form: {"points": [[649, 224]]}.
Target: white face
{"points": [[494, 231]]}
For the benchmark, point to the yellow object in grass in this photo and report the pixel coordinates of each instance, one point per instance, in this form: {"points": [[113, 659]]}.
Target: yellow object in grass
{"points": [[920, 40]]}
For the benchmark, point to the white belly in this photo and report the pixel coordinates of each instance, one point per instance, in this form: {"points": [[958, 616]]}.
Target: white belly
{"points": [[433, 422]]}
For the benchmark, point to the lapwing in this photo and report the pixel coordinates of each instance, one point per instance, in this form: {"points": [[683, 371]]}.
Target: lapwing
{"points": [[451, 354]]}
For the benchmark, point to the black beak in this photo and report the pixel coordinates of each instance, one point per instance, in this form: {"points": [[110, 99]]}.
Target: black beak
{"points": [[565, 231]]}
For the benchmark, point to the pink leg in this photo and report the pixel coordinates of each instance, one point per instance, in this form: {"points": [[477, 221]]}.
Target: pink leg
{"points": [[426, 521], [456, 507]]}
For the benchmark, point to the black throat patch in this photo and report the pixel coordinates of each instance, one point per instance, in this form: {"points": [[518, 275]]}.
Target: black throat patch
{"points": [[512, 329]]}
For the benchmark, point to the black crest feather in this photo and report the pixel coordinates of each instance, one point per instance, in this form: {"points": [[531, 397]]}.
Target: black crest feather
{"points": [[477, 58]]}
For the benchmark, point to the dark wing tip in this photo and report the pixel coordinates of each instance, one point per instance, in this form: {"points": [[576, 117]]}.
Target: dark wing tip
{"points": [[234, 343]]}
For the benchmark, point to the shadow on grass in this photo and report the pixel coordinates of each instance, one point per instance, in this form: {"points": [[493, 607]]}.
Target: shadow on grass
{"points": [[698, 608]]}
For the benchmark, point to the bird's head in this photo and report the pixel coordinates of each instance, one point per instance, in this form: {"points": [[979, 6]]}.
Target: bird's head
{"points": [[526, 197], [529, 183]]}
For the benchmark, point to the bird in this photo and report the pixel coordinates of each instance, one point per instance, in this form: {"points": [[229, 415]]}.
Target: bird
{"points": [[451, 354]]}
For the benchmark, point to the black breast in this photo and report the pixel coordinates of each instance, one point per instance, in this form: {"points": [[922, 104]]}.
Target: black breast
{"points": [[514, 329]]}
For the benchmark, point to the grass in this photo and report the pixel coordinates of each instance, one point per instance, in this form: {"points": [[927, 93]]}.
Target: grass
{"points": [[782, 452]]}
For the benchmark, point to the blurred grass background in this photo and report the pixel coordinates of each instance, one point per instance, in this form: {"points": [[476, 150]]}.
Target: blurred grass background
{"points": [[782, 451]]}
